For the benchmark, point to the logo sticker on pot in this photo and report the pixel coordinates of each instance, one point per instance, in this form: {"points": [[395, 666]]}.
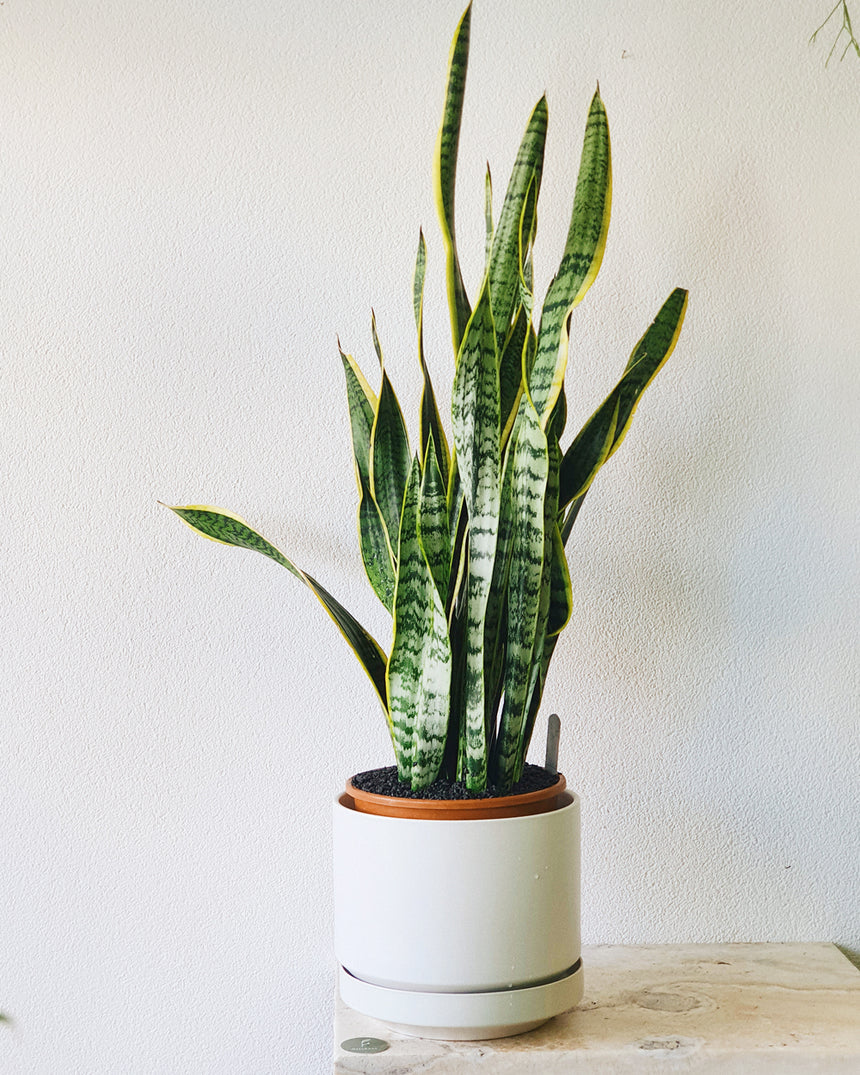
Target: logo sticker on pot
{"points": [[364, 1045]]}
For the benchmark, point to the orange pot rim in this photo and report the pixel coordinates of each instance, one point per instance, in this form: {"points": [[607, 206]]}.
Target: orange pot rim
{"points": [[541, 801]]}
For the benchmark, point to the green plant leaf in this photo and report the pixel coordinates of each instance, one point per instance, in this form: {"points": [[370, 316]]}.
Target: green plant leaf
{"points": [[419, 668], [376, 552], [389, 460], [488, 218], [606, 428], [545, 603], [433, 529], [362, 404], [583, 253], [496, 619], [475, 410], [511, 373], [228, 529], [373, 332], [530, 474], [445, 173], [431, 423], [523, 187]]}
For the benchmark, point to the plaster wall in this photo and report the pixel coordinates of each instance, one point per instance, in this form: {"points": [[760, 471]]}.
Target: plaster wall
{"points": [[194, 199]]}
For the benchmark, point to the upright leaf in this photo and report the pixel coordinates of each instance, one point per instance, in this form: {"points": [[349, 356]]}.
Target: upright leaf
{"points": [[376, 551], [431, 423], [445, 173], [229, 529], [530, 473], [580, 262], [475, 406], [389, 460], [419, 668], [433, 529], [505, 266], [362, 403], [488, 218]]}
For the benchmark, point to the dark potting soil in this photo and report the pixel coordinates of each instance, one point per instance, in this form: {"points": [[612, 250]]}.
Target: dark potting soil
{"points": [[385, 782]]}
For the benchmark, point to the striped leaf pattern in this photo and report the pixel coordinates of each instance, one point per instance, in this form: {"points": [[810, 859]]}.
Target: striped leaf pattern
{"points": [[580, 262], [445, 172], [389, 459], [603, 432], [464, 541], [419, 667], [475, 415], [433, 530], [375, 550], [375, 547], [531, 471], [228, 529], [505, 259], [431, 423]]}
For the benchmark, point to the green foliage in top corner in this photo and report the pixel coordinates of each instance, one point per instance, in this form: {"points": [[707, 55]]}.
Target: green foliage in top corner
{"points": [[463, 537]]}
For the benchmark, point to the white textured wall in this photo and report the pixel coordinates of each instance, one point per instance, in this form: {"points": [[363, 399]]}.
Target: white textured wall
{"points": [[194, 199]]}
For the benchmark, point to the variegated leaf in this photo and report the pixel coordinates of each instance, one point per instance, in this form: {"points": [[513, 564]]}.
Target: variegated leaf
{"points": [[583, 253], [389, 460], [228, 529], [431, 423], [496, 620], [488, 218], [419, 668], [445, 173], [376, 552], [524, 184], [362, 403], [603, 432], [531, 471], [475, 407], [433, 530]]}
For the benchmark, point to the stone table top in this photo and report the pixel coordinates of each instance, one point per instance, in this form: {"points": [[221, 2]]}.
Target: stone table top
{"points": [[726, 1008]]}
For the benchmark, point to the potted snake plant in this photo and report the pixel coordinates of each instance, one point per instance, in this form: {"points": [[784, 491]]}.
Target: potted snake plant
{"points": [[457, 869]]}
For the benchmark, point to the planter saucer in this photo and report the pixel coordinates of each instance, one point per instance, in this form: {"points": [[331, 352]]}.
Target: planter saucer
{"points": [[464, 1016]]}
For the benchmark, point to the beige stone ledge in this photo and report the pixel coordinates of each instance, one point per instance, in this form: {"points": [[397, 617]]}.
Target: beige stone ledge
{"points": [[728, 1008]]}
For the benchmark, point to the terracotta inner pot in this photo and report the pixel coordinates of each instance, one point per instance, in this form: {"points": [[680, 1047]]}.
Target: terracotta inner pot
{"points": [[531, 802]]}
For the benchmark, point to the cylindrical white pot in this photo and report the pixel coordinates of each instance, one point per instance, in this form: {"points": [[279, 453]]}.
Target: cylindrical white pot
{"points": [[458, 929]]}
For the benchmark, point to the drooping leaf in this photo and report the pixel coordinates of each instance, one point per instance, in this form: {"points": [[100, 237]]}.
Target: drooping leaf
{"points": [[445, 173], [604, 431], [524, 185], [419, 668], [583, 253], [228, 529], [475, 410]]}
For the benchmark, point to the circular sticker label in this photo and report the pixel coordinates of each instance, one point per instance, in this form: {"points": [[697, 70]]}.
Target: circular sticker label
{"points": [[364, 1045]]}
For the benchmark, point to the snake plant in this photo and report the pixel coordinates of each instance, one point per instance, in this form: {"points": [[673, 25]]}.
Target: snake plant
{"points": [[463, 540]]}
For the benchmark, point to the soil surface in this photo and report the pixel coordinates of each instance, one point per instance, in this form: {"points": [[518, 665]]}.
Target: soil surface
{"points": [[385, 782]]}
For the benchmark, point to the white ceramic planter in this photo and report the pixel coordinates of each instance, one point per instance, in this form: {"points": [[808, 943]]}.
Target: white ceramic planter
{"points": [[458, 929]]}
